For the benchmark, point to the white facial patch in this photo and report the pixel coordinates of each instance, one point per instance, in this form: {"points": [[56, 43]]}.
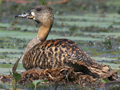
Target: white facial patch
{"points": [[32, 13]]}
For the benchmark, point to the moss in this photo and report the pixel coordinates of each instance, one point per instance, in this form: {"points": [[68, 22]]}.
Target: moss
{"points": [[6, 65], [2, 56], [117, 62]]}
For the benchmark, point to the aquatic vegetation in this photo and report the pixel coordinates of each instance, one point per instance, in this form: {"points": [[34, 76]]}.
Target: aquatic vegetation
{"points": [[95, 29]]}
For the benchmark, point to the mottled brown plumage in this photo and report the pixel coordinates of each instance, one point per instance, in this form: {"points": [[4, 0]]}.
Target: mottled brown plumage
{"points": [[52, 53]]}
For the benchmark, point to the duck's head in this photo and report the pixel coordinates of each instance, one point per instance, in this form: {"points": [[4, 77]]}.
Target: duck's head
{"points": [[41, 14]]}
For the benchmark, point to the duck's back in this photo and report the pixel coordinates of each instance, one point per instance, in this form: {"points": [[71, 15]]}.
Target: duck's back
{"points": [[52, 53]]}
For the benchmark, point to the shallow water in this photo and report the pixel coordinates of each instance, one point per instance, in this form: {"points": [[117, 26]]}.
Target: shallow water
{"points": [[97, 34], [101, 46]]}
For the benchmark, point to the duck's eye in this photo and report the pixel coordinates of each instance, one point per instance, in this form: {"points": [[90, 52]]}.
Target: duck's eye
{"points": [[38, 9]]}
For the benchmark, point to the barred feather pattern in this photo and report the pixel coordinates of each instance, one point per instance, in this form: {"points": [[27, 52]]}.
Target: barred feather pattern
{"points": [[53, 53]]}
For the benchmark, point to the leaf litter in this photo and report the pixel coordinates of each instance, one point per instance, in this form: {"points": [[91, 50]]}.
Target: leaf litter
{"points": [[89, 76]]}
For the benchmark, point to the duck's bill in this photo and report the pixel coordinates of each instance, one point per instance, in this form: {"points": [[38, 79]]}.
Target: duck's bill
{"points": [[25, 15]]}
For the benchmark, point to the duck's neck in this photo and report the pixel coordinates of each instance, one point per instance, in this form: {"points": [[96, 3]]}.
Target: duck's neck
{"points": [[42, 35], [43, 32]]}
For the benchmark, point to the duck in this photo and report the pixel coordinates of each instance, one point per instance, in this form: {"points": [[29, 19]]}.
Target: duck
{"points": [[42, 53]]}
